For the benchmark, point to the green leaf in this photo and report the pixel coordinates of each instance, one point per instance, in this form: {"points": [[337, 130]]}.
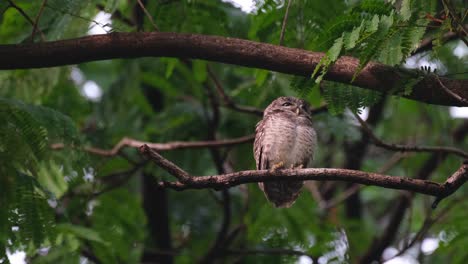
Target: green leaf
{"points": [[405, 10], [373, 25], [81, 232], [261, 76], [334, 52], [351, 39], [199, 70], [330, 57], [171, 63]]}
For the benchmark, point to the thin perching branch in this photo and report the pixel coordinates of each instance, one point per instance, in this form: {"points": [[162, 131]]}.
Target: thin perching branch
{"points": [[408, 148], [130, 142], [218, 182]]}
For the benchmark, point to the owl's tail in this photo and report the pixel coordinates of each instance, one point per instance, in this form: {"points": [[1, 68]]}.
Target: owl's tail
{"points": [[281, 194]]}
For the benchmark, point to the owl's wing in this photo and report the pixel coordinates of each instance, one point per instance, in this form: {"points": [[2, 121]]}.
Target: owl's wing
{"points": [[310, 152], [261, 160]]}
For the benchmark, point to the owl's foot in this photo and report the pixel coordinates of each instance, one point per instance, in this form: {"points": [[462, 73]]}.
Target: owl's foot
{"points": [[300, 166], [277, 166]]}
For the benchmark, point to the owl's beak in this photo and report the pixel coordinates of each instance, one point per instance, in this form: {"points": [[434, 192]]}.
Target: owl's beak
{"points": [[297, 111]]}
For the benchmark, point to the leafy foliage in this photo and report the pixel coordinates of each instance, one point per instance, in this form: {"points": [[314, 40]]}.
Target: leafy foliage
{"points": [[64, 206], [373, 30], [341, 96], [26, 132]]}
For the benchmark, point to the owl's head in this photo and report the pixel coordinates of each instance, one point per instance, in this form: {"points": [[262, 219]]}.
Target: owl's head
{"points": [[289, 104]]}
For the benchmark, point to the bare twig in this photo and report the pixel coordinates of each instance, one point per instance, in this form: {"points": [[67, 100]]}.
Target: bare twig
{"points": [[318, 174], [148, 15], [408, 148], [460, 28], [129, 142], [21, 11], [118, 179], [454, 95], [343, 196], [228, 101], [36, 22], [93, 21], [392, 161], [285, 21]]}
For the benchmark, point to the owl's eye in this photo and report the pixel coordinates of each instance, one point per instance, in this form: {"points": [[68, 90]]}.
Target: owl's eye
{"points": [[286, 104]]}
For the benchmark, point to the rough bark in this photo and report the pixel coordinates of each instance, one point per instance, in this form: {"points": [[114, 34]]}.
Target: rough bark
{"points": [[374, 76]]}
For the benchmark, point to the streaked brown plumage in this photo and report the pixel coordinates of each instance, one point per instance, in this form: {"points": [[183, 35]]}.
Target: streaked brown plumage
{"points": [[284, 138]]}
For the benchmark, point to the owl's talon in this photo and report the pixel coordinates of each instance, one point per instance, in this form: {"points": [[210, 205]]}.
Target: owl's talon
{"points": [[277, 166]]}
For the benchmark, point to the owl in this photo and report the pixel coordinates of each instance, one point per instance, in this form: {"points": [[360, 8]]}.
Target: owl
{"points": [[284, 139]]}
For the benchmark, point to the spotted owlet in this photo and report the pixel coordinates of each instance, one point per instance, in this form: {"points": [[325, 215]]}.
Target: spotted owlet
{"points": [[284, 138]]}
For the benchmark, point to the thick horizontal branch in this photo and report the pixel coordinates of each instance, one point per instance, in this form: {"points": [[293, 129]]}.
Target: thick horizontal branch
{"points": [[374, 76], [317, 174]]}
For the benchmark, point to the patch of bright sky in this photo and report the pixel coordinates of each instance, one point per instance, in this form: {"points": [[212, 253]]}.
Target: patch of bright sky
{"points": [[364, 113], [461, 50], [304, 260], [409, 257], [101, 25], [88, 88], [247, 6], [420, 60], [402, 260], [92, 91], [18, 257], [429, 245]]}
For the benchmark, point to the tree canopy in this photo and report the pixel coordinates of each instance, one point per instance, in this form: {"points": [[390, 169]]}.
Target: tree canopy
{"points": [[134, 145]]}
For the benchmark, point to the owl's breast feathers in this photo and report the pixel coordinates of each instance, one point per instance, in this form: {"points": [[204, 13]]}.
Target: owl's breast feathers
{"points": [[284, 138]]}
